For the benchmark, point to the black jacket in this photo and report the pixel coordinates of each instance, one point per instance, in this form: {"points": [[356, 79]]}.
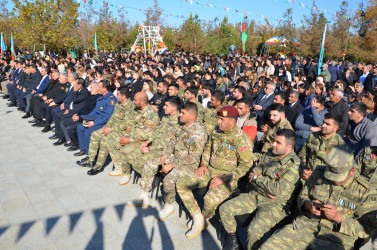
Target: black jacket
{"points": [[89, 105], [62, 92], [341, 110], [293, 112], [79, 99], [32, 81]]}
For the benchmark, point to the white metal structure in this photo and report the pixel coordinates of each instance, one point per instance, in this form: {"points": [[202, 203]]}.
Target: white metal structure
{"points": [[149, 40]]}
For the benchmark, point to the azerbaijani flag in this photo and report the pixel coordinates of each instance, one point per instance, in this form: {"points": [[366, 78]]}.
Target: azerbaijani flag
{"points": [[95, 43], [73, 51], [322, 51], [243, 37], [2, 44], [12, 50]]}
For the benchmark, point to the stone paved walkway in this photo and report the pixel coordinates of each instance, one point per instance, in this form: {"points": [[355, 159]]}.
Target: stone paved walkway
{"points": [[49, 202]]}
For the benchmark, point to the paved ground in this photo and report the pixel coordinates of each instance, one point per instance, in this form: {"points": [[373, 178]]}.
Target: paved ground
{"points": [[49, 202]]}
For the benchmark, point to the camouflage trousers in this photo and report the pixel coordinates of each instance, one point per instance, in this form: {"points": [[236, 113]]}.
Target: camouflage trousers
{"points": [[137, 159], [119, 153], [98, 146], [304, 233], [267, 216], [212, 199], [150, 170]]}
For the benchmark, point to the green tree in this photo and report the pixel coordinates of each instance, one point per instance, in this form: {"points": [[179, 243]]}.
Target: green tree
{"points": [[191, 36], [154, 15]]}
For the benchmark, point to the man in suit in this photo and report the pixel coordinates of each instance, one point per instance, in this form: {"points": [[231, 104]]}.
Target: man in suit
{"points": [[263, 101], [47, 106], [295, 107], [78, 101], [30, 83], [69, 124], [12, 85], [40, 88]]}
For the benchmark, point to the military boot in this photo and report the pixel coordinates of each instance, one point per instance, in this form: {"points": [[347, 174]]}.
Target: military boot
{"points": [[117, 171], [143, 201], [125, 179], [233, 241], [166, 211], [199, 224]]}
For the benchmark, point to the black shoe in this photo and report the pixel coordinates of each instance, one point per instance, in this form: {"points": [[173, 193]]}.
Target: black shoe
{"points": [[5, 96], [53, 137], [46, 129], [81, 153], [11, 104], [233, 241], [74, 148], [68, 144], [21, 109], [33, 121], [37, 124], [27, 115], [82, 160], [95, 171], [59, 142], [87, 164]]}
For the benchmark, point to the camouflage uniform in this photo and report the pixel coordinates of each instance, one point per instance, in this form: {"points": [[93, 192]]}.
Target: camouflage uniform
{"points": [[181, 92], [278, 178], [145, 123], [226, 153], [210, 119], [201, 111], [355, 200], [119, 121], [184, 151], [269, 137], [159, 139], [366, 165], [316, 148]]}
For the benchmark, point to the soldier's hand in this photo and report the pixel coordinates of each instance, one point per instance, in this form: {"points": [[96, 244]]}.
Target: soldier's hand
{"points": [[312, 208], [155, 107], [330, 212], [203, 170], [264, 128], [163, 159], [307, 174], [216, 181], [124, 140], [105, 130], [145, 144], [166, 168], [144, 150]]}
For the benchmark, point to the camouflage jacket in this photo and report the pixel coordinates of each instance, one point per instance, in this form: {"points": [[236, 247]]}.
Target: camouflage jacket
{"points": [[316, 148], [186, 147], [278, 177], [228, 153], [164, 133], [270, 134], [122, 117], [210, 119], [145, 123], [355, 200], [201, 111], [366, 165]]}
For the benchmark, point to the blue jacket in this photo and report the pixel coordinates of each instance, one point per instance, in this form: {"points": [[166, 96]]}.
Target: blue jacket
{"points": [[307, 119], [104, 109], [68, 98], [42, 85]]}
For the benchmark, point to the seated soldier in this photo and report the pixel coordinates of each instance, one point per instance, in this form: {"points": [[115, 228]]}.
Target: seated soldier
{"points": [[226, 158], [319, 144], [145, 123], [191, 94], [210, 113], [180, 156], [278, 121], [274, 181], [336, 208], [120, 120]]}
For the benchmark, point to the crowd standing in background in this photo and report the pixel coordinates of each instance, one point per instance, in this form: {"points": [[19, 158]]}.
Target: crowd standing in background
{"points": [[264, 136]]}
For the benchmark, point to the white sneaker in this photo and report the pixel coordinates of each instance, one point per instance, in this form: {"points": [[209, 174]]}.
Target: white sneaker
{"points": [[116, 172], [166, 211], [125, 179], [199, 224], [143, 201]]}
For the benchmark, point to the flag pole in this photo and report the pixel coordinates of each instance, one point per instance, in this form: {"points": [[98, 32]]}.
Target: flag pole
{"points": [[322, 50]]}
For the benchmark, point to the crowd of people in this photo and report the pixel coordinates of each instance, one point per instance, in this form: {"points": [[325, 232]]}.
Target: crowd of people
{"points": [[265, 136]]}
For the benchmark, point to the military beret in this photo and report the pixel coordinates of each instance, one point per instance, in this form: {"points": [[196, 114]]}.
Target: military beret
{"points": [[228, 111]]}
